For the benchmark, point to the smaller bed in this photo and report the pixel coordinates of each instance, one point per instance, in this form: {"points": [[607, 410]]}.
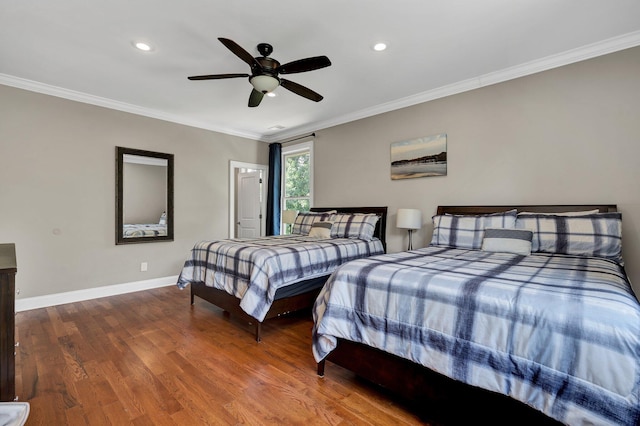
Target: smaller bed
{"points": [[263, 278]]}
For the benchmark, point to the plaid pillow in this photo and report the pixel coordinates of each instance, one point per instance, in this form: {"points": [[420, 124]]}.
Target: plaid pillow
{"points": [[355, 225], [304, 220], [467, 231], [594, 235]]}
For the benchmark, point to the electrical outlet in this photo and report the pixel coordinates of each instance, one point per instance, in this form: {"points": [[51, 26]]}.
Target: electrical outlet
{"points": [[143, 267]]}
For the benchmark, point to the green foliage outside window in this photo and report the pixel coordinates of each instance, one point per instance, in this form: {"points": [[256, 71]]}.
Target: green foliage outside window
{"points": [[296, 182], [300, 205], [296, 177], [297, 190]]}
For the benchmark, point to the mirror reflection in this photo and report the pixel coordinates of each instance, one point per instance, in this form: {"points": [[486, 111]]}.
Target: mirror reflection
{"points": [[144, 196]]}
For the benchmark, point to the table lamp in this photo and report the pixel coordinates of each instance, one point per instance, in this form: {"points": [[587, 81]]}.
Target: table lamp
{"points": [[289, 217], [410, 219]]}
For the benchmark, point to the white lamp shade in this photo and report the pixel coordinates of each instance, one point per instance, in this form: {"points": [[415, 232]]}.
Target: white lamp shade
{"points": [[264, 83], [289, 216], [409, 219]]}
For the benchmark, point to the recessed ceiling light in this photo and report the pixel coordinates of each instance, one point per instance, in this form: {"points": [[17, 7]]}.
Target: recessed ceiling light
{"points": [[379, 47], [276, 127], [141, 45]]}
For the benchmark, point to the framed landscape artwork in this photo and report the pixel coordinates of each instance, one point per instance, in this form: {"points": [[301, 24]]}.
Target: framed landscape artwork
{"points": [[421, 157]]}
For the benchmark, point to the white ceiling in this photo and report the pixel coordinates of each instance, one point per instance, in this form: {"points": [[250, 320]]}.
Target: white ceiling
{"points": [[82, 50]]}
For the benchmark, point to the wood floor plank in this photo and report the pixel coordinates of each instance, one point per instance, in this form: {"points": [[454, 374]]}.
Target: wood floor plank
{"points": [[51, 410], [116, 414], [127, 398], [74, 416], [204, 405], [150, 358]]}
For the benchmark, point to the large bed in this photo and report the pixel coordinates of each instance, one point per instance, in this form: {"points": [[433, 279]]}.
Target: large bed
{"points": [[262, 278], [475, 327]]}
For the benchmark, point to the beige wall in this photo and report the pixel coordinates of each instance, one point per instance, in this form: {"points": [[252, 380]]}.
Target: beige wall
{"points": [[57, 174], [564, 136], [569, 135]]}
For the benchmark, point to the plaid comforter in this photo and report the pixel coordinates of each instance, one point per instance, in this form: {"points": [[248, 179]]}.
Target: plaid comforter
{"points": [[253, 269], [559, 333]]}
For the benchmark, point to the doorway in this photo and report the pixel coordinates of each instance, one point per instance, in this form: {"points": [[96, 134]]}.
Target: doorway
{"points": [[249, 205], [247, 201]]}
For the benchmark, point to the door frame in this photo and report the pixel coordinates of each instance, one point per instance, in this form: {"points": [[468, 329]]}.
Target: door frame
{"points": [[233, 166]]}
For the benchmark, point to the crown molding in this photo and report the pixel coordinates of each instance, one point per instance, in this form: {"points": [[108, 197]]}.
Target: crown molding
{"points": [[73, 95], [554, 61], [604, 47]]}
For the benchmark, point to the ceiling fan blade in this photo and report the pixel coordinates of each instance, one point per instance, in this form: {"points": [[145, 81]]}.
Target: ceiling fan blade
{"points": [[300, 90], [240, 52], [216, 76], [255, 98], [303, 65]]}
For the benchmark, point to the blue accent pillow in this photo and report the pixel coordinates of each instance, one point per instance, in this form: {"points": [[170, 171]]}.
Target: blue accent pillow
{"points": [[516, 241]]}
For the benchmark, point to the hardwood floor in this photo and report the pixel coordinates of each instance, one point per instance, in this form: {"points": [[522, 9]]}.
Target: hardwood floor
{"points": [[149, 358]]}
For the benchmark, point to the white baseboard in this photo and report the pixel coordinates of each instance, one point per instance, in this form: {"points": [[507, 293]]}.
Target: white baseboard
{"points": [[91, 293]]}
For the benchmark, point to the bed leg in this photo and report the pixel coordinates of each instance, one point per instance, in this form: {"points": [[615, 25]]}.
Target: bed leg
{"points": [[192, 296], [321, 368], [258, 329]]}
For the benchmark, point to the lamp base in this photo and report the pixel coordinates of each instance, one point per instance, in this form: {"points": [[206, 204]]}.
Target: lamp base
{"points": [[410, 242]]}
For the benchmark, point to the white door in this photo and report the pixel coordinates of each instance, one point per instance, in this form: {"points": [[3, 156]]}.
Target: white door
{"points": [[249, 205]]}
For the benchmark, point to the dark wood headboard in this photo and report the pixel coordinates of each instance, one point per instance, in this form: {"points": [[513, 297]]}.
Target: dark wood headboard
{"points": [[540, 208], [381, 227]]}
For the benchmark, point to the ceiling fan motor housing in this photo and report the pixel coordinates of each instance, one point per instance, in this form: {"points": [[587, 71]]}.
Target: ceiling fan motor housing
{"points": [[269, 66]]}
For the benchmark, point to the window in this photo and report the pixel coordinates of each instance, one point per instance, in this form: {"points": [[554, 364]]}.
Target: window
{"points": [[297, 177]]}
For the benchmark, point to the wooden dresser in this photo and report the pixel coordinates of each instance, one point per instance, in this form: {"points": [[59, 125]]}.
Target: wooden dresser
{"points": [[8, 271]]}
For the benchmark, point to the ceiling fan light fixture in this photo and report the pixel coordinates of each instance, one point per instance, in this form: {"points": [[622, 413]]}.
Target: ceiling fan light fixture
{"points": [[264, 83]]}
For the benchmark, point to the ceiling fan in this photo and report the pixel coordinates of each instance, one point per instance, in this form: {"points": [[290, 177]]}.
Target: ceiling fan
{"points": [[265, 70]]}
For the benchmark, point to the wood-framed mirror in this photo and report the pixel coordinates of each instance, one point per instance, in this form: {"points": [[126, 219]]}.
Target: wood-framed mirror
{"points": [[144, 196]]}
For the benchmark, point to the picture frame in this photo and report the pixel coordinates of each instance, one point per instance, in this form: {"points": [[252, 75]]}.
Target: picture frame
{"points": [[420, 157]]}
